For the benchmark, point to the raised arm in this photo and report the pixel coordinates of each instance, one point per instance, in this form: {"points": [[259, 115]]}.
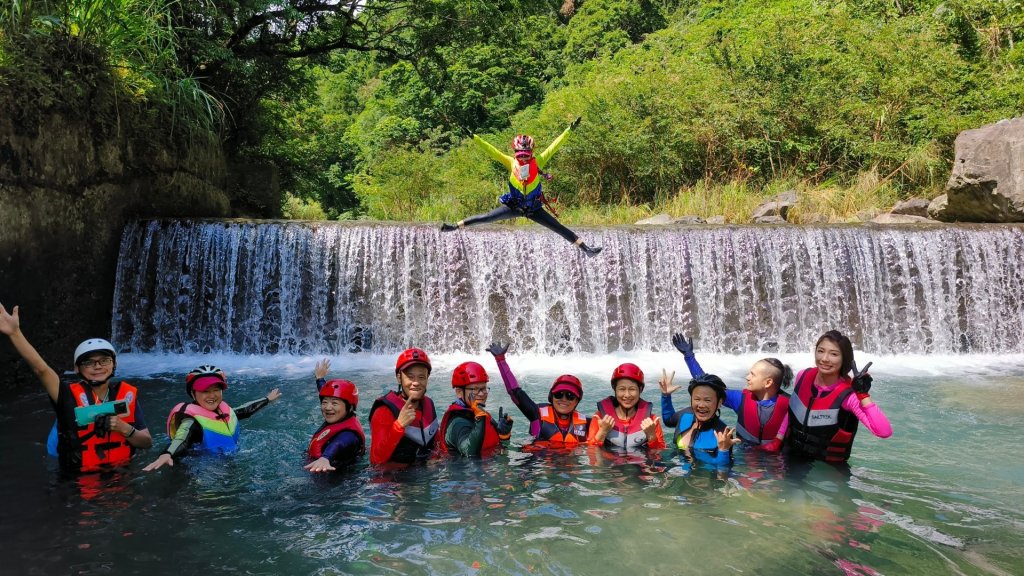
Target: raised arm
{"points": [[544, 157], [502, 158], [10, 325], [519, 396]]}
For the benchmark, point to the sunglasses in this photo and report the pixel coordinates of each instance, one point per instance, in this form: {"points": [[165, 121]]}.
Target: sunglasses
{"points": [[563, 395]]}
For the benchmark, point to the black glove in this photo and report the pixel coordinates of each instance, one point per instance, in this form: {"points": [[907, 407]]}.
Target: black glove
{"points": [[683, 344], [503, 424], [861, 380], [463, 131], [497, 349], [102, 425], [576, 122]]}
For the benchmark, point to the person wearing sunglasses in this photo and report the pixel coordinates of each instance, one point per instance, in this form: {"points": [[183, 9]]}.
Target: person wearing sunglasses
{"points": [[467, 429], [525, 196], [207, 422], [112, 437], [556, 423], [762, 407]]}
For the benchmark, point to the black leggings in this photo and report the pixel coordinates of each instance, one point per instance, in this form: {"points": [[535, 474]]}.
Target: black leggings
{"points": [[540, 216]]}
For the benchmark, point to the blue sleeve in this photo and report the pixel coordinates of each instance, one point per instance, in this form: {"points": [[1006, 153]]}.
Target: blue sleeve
{"points": [[140, 420], [320, 383], [668, 411], [343, 447], [733, 400], [693, 366]]}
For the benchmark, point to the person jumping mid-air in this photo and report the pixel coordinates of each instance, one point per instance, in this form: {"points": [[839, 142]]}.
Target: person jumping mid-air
{"points": [[525, 196]]}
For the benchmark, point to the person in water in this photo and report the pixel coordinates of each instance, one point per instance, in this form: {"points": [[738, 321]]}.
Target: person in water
{"points": [[467, 428], [827, 404], [110, 440], [207, 422], [624, 420], [525, 196], [340, 440], [700, 432], [762, 408], [403, 422], [556, 423]]}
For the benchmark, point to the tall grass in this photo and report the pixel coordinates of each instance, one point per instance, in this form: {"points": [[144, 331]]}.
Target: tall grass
{"points": [[136, 39]]}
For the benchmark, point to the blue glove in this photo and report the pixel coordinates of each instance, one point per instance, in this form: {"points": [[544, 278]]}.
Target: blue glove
{"points": [[503, 424], [861, 380], [683, 344], [497, 349]]}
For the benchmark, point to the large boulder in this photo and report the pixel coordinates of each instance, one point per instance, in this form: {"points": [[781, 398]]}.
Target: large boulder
{"points": [[987, 183]]}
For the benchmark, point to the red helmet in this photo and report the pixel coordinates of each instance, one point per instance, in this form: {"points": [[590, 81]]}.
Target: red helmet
{"points": [[410, 357], [522, 143], [343, 389], [631, 372], [468, 373], [566, 382]]}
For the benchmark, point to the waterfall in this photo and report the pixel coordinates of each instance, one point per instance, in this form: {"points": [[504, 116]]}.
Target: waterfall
{"points": [[326, 288]]}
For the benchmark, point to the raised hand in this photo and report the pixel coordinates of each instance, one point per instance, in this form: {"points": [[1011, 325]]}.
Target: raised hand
{"points": [[726, 438], [606, 423], [861, 380], [667, 387], [322, 368], [576, 122], [320, 465], [408, 412], [683, 344], [273, 394], [9, 323], [497, 349], [478, 411], [650, 427], [504, 424]]}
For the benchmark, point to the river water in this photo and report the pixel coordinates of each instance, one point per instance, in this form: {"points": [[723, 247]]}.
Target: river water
{"points": [[944, 495]]}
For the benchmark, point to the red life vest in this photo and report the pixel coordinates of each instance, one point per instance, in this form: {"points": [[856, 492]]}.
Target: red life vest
{"points": [[420, 434], [819, 427], [113, 449], [551, 433], [326, 432], [630, 436], [456, 410], [748, 419]]}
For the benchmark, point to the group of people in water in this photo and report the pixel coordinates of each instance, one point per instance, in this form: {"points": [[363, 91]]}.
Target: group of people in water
{"points": [[817, 421]]}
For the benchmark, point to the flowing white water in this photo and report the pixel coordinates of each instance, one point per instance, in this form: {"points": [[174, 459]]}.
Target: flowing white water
{"points": [[328, 288]]}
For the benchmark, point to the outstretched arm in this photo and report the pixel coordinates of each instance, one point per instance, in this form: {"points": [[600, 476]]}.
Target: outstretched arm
{"points": [[544, 157], [504, 159], [10, 325]]}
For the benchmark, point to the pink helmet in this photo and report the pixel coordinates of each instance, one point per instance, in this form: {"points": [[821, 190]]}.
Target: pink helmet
{"points": [[522, 143], [468, 373], [566, 382], [630, 372], [342, 389]]}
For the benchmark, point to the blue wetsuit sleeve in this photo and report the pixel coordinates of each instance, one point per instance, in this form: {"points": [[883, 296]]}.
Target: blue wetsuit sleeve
{"points": [[320, 383], [342, 448], [733, 400], [140, 420], [693, 366], [668, 411]]}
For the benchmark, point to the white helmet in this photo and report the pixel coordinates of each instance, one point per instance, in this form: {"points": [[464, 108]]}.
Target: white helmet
{"points": [[93, 345]]}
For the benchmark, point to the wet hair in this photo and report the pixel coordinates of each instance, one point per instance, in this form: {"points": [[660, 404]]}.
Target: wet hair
{"points": [[782, 374], [845, 348], [711, 381]]}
